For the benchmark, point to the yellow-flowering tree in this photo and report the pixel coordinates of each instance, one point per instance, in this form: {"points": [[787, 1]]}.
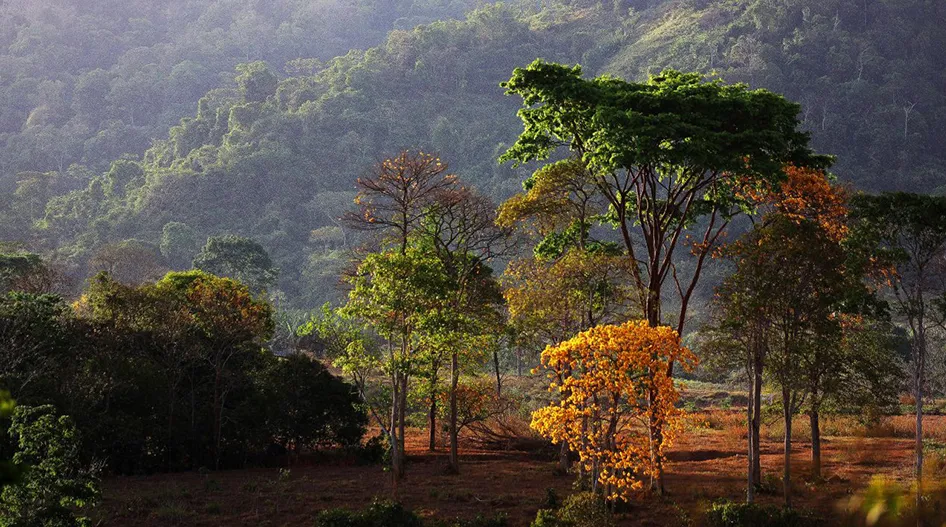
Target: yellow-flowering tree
{"points": [[616, 388]]}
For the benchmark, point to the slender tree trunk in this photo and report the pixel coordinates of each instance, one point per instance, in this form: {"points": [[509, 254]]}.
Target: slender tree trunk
{"points": [[454, 439], [815, 444], [397, 463], [787, 474], [918, 389], [655, 426], [432, 424], [402, 418], [218, 418], [563, 458], [750, 424], [432, 414], [757, 421], [499, 380]]}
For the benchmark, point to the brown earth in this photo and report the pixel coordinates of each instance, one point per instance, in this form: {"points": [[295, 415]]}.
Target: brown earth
{"points": [[706, 464]]}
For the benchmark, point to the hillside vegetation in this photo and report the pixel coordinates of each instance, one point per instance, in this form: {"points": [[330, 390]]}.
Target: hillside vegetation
{"points": [[271, 150]]}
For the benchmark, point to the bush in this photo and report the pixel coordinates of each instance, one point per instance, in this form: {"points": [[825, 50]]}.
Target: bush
{"points": [[310, 407], [375, 451], [729, 514], [379, 514], [584, 509], [479, 521], [392, 514], [57, 483]]}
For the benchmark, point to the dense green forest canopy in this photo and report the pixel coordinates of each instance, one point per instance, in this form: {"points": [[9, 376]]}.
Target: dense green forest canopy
{"points": [[277, 130]]}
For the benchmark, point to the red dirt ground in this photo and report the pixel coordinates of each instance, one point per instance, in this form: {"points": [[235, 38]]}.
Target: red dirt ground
{"points": [[705, 465]]}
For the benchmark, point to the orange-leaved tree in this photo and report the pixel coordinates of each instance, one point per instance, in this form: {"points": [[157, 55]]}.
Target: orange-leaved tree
{"points": [[617, 387]]}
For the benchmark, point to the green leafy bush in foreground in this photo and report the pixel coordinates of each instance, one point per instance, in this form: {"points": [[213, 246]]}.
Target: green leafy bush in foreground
{"points": [[393, 514], [730, 514], [584, 509]]}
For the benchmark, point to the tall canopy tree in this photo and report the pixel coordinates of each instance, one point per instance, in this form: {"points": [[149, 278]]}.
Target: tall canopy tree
{"points": [[668, 156], [395, 200], [907, 233], [239, 258], [779, 304], [460, 231], [232, 326], [788, 310], [394, 294]]}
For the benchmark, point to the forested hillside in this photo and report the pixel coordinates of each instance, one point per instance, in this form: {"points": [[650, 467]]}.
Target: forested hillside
{"points": [[273, 147]]}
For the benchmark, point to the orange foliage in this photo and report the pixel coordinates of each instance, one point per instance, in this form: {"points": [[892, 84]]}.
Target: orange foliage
{"points": [[807, 194], [614, 385]]}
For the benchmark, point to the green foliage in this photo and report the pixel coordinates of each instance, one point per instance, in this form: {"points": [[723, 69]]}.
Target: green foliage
{"points": [[308, 407], [379, 514], [36, 332], [15, 268], [239, 258], [389, 514], [179, 244], [729, 514], [58, 482], [672, 121], [259, 170], [10, 472], [256, 82], [583, 509]]}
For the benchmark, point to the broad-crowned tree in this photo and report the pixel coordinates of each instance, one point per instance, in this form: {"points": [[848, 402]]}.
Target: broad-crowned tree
{"points": [[239, 258], [668, 156]]}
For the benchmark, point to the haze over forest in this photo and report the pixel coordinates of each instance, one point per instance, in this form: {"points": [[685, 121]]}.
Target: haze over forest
{"points": [[121, 117]]}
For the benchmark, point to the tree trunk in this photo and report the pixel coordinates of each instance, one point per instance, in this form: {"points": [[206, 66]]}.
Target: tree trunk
{"points": [[499, 380], [397, 457], [757, 422], [750, 459], [656, 439], [402, 418], [918, 389], [218, 419], [454, 439], [432, 424], [815, 444], [655, 426], [432, 414], [563, 458], [787, 474]]}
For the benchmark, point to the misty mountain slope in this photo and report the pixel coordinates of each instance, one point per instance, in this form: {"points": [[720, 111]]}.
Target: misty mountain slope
{"points": [[871, 75], [278, 165], [87, 81], [278, 161]]}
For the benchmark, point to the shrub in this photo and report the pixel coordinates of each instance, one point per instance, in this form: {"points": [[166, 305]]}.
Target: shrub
{"points": [[729, 514], [379, 514], [584, 509], [57, 482], [311, 407], [375, 451], [480, 521], [392, 514]]}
